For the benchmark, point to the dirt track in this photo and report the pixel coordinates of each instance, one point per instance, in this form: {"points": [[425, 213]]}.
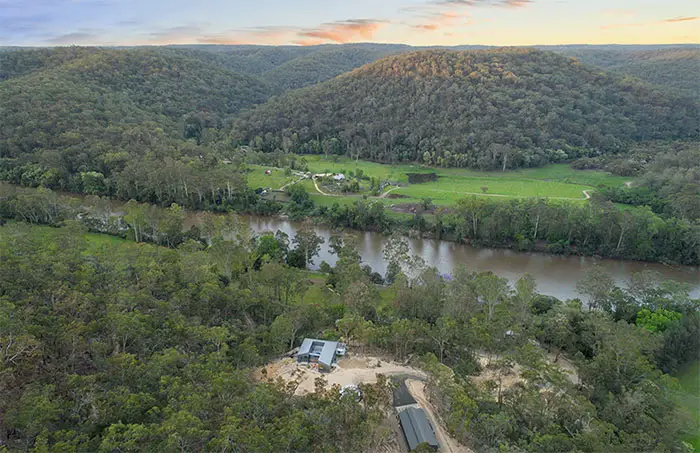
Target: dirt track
{"points": [[447, 443]]}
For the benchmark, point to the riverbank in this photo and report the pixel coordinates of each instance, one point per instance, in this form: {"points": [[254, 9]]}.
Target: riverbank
{"points": [[556, 274]]}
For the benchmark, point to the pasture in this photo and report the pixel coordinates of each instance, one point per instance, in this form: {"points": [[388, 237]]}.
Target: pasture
{"points": [[557, 181], [275, 180]]}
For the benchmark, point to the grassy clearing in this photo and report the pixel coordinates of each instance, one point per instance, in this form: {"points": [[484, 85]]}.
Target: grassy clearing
{"points": [[558, 181], [98, 240], [257, 177], [94, 241], [553, 181], [450, 189], [689, 399]]}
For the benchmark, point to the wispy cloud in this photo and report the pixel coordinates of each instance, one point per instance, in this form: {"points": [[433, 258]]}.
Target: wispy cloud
{"points": [[682, 19], [332, 32], [438, 21], [342, 32]]}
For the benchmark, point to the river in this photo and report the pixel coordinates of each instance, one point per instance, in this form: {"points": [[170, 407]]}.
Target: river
{"points": [[556, 275]]}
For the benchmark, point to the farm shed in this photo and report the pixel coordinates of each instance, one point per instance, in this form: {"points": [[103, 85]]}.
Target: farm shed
{"points": [[416, 428]]}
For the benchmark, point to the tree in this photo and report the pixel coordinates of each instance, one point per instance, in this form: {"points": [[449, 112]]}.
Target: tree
{"points": [[443, 333], [525, 295], [170, 225], [657, 321], [135, 216], [598, 285], [308, 243], [491, 290]]}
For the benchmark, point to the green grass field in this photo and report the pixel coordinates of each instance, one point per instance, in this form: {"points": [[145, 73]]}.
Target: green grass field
{"points": [[689, 399], [257, 177], [557, 181], [94, 240]]}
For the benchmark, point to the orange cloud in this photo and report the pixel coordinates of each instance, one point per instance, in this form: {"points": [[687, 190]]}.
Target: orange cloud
{"points": [[682, 19], [342, 32]]}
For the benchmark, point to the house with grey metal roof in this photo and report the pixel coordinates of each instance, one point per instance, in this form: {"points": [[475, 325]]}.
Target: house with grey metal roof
{"points": [[322, 352], [416, 428]]}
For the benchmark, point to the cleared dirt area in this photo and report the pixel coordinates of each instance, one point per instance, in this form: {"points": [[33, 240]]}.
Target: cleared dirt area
{"points": [[351, 370], [511, 376], [447, 443]]}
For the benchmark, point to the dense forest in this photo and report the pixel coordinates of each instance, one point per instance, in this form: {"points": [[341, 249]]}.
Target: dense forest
{"points": [[668, 179], [135, 347], [495, 109], [75, 119], [669, 67], [673, 69]]}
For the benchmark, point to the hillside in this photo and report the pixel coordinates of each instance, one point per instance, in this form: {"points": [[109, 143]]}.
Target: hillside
{"points": [[490, 109], [99, 111], [673, 69], [288, 67], [19, 62], [323, 64]]}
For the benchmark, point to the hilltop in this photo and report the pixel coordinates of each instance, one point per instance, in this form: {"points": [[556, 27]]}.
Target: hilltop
{"points": [[487, 109]]}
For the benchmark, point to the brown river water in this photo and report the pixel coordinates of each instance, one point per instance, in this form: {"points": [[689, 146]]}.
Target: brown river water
{"points": [[556, 275]]}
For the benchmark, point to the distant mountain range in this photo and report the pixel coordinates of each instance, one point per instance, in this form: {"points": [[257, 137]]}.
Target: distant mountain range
{"points": [[69, 110]]}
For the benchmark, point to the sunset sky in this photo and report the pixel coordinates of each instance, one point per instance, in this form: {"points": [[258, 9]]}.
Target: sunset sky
{"points": [[305, 22]]}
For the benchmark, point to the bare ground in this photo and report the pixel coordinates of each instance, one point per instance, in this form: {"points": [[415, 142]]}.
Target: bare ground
{"points": [[513, 376], [352, 370]]}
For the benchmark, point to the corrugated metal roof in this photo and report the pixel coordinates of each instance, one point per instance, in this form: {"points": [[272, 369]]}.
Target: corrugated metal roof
{"points": [[306, 346], [327, 352], [416, 428]]}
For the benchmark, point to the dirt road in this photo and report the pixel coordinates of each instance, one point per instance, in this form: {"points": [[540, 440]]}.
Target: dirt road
{"points": [[447, 443], [319, 189]]}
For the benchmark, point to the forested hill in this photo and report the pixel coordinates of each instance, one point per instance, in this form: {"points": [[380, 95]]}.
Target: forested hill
{"points": [[18, 62], [163, 83], [673, 69], [93, 111], [489, 109], [290, 67]]}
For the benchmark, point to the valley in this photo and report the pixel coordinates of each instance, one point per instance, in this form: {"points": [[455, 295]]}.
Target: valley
{"points": [[505, 239]]}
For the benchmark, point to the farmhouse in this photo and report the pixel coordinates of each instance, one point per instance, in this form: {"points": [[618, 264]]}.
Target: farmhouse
{"points": [[339, 177], [320, 351], [416, 428]]}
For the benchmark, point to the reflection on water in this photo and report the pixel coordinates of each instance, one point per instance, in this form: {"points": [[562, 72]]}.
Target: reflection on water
{"points": [[556, 275]]}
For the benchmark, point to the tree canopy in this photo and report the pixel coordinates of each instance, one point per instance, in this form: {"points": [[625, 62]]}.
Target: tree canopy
{"points": [[492, 109]]}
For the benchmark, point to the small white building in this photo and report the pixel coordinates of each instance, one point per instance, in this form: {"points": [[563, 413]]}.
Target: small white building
{"points": [[339, 177]]}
